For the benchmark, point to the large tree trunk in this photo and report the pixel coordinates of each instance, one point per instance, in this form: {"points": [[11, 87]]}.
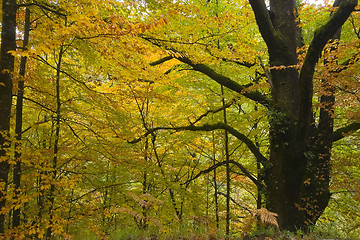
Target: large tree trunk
{"points": [[6, 68], [298, 175], [286, 144]]}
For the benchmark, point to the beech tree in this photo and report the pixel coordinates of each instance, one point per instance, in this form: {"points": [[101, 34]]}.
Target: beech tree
{"points": [[296, 172]]}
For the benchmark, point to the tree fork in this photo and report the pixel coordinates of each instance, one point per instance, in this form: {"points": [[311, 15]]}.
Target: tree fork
{"points": [[317, 177], [291, 122]]}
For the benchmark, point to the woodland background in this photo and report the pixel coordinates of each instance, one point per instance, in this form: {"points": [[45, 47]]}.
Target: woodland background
{"points": [[102, 143]]}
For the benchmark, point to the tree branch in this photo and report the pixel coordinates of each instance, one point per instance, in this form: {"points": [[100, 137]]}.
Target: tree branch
{"points": [[210, 127], [248, 174], [213, 111], [37, 103], [265, 25], [240, 166], [342, 132], [267, 74], [241, 63], [236, 203], [225, 81], [41, 59], [44, 6], [221, 79], [160, 61], [321, 36]]}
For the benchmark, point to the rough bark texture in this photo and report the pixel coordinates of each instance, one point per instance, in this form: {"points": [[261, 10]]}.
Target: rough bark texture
{"points": [[298, 175], [6, 68]]}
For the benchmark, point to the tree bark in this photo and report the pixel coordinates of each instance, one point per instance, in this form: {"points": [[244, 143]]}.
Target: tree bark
{"points": [[315, 194], [215, 185], [293, 157], [227, 159], [8, 43], [18, 127], [56, 143]]}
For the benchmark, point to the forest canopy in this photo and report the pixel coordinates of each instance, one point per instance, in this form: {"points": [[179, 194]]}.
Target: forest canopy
{"points": [[191, 119]]}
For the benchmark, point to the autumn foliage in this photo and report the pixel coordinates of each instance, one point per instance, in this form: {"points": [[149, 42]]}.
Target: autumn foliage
{"points": [[174, 119]]}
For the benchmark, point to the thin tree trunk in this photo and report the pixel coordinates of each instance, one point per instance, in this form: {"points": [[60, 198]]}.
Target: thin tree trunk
{"points": [[144, 223], [18, 127], [215, 186], [56, 143], [8, 43], [145, 113], [258, 169], [259, 189], [227, 158]]}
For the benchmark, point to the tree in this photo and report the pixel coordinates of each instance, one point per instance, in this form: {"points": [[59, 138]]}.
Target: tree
{"points": [[299, 150], [8, 44], [18, 126], [297, 170]]}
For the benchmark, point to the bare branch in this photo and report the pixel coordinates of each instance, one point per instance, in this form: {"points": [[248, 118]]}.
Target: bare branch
{"points": [[342, 132], [210, 127], [225, 81], [267, 74], [215, 166], [160, 61], [40, 104], [236, 203], [241, 63], [213, 111]]}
